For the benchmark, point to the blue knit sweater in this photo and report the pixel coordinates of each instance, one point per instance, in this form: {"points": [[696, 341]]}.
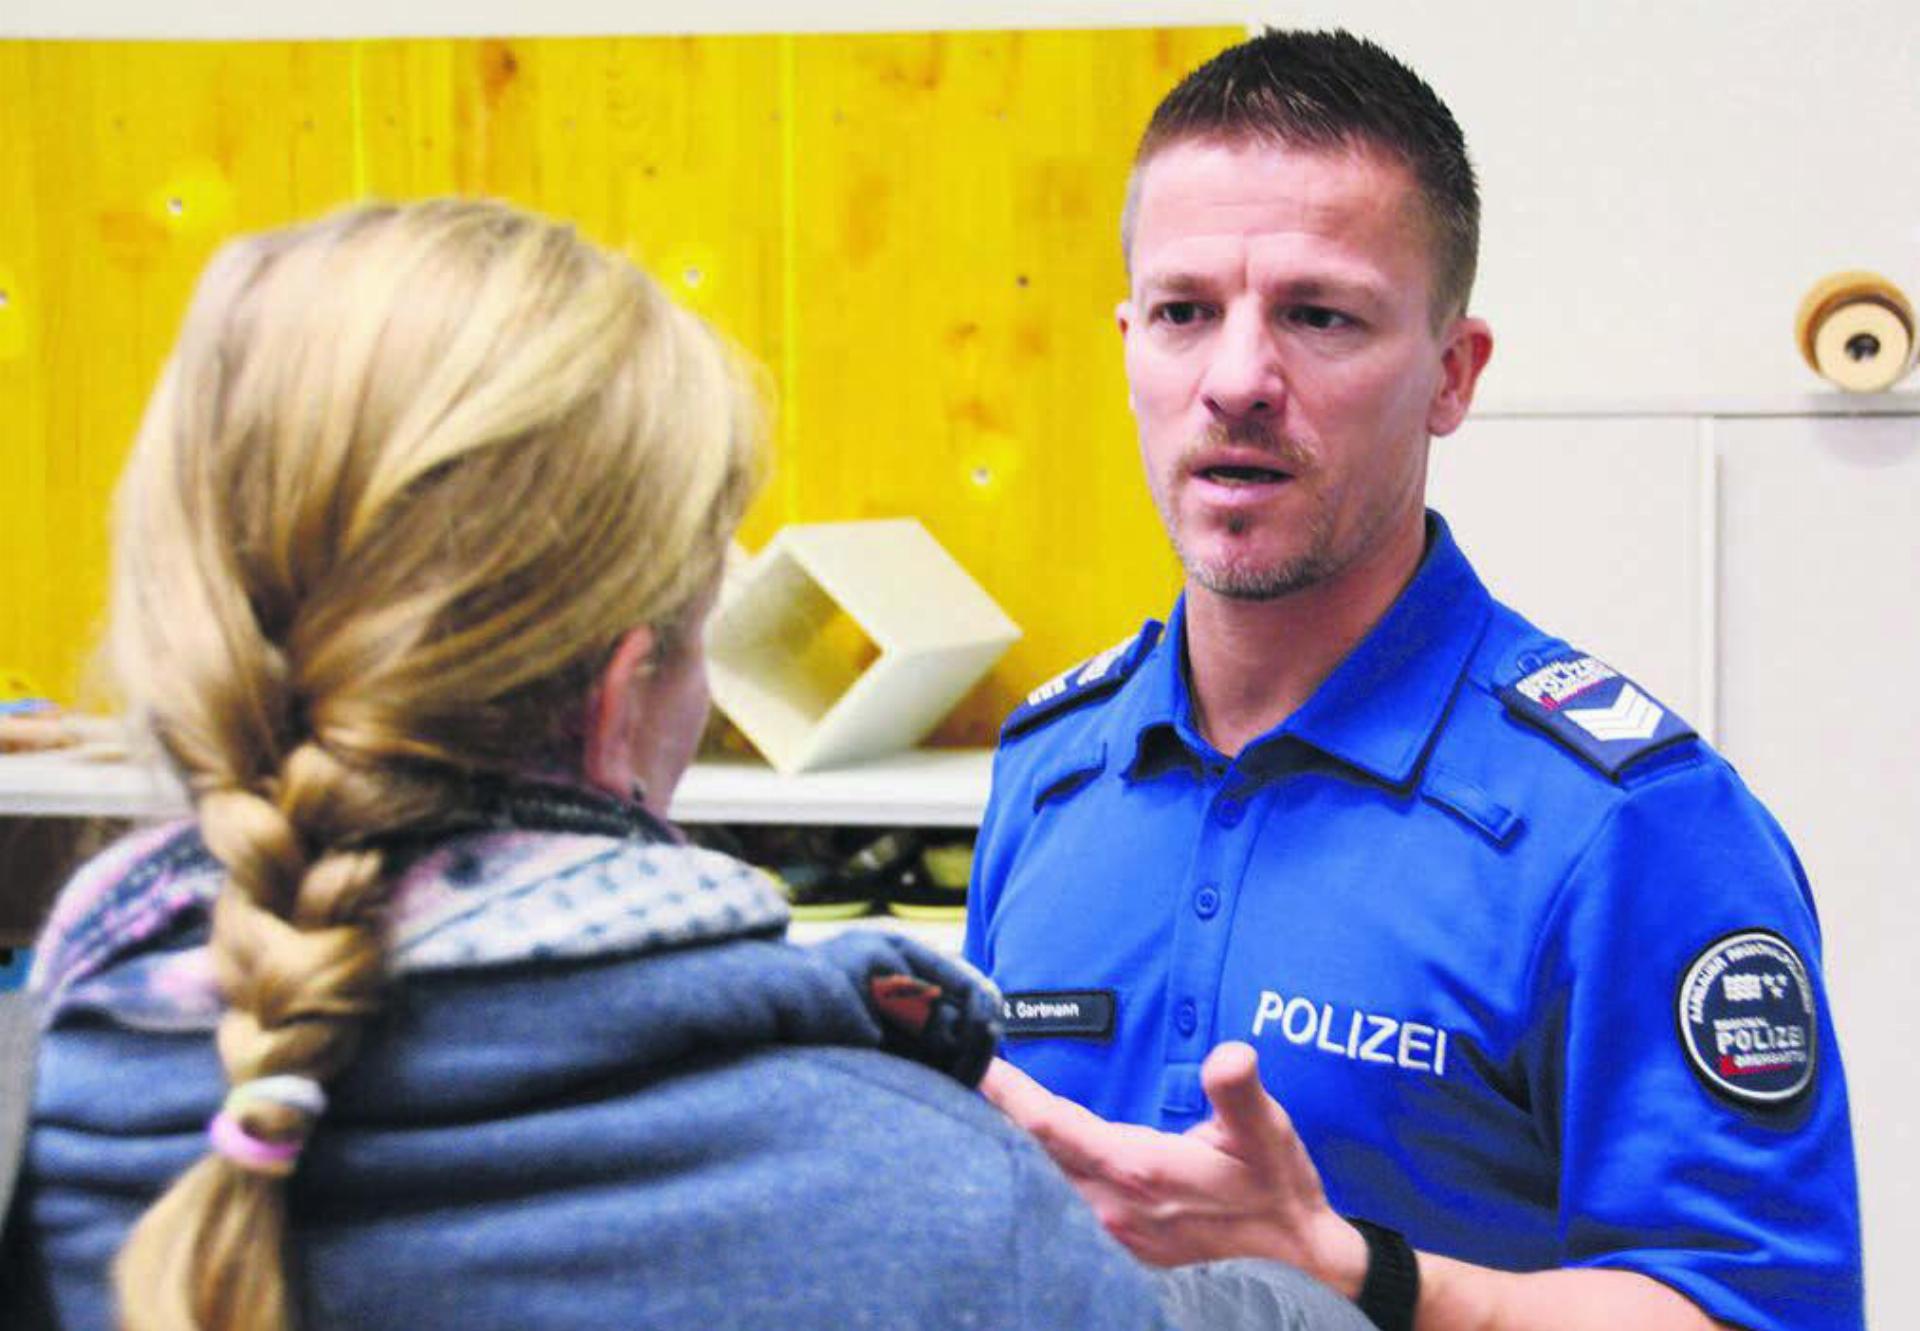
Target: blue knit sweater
{"points": [[686, 1127]]}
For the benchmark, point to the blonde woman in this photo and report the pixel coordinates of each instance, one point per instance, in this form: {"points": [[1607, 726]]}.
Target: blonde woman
{"points": [[427, 1018]]}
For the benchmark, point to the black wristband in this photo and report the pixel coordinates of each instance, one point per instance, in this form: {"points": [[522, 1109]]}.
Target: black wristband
{"points": [[1391, 1289]]}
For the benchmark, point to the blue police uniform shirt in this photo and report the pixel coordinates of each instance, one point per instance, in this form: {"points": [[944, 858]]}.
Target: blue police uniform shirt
{"points": [[1534, 974]]}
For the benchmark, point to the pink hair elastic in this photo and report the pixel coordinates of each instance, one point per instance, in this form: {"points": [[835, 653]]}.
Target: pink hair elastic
{"points": [[248, 1151]]}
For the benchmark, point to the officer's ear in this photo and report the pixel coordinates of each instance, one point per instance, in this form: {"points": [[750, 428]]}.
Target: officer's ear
{"points": [[1123, 319], [1464, 353]]}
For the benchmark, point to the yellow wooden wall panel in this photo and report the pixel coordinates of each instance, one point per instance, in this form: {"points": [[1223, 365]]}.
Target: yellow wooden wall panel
{"points": [[27, 595], [915, 235], [667, 148], [143, 157], [958, 265]]}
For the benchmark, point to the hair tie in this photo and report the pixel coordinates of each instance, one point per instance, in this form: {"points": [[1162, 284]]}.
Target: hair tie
{"points": [[288, 1089], [231, 1139], [251, 1153]]}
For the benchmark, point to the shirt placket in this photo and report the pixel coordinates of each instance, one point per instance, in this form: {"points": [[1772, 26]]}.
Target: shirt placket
{"points": [[1231, 808]]}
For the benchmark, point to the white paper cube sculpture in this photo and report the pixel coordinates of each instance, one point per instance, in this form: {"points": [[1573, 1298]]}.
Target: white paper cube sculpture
{"points": [[848, 640]]}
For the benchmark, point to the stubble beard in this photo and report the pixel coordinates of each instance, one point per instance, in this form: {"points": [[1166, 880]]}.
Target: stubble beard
{"points": [[1247, 579], [1252, 580]]}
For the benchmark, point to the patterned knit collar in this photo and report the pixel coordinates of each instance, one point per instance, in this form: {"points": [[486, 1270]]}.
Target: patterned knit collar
{"points": [[525, 873]]}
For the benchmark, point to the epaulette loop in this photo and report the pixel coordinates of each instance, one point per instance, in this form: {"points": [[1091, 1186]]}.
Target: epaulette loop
{"points": [[1093, 678]]}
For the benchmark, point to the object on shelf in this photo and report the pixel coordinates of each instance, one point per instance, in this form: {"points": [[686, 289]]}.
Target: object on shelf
{"points": [[1856, 329], [813, 893], [36, 726], [824, 881], [806, 863], [34, 731], [20, 701], [848, 640], [842, 873], [721, 738], [935, 887]]}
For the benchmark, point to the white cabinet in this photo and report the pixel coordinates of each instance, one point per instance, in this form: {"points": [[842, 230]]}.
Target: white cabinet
{"points": [[1820, 650]]}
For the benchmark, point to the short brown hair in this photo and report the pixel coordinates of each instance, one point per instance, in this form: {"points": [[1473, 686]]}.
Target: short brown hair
{"points": [[1330, 90]]}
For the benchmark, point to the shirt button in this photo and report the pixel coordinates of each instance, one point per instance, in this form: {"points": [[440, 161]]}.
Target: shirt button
{"points": [[1206, 902], [1186, 1017], [1228, 813]]}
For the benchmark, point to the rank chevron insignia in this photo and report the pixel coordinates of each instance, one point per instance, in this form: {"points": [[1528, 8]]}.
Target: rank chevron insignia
{"points": [[1591, 708], [1632, 715]]}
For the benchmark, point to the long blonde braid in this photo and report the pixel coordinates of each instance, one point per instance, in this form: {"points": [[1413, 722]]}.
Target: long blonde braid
{"points": [[409, 475]]}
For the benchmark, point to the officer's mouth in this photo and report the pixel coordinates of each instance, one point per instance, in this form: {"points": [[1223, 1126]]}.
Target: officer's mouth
{"points": [[1240, 476], [1239, 481], [1233, 469]]}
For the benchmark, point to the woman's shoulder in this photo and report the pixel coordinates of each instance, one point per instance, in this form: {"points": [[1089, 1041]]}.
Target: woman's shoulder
{"points": [[926, 1168], [508, 898]]}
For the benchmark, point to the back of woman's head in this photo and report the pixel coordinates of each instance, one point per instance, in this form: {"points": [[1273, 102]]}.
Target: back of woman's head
{"points": [[409, 476]]}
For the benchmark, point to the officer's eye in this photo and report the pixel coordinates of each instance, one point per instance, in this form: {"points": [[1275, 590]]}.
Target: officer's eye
{"points": [[1318, 318], [1179, 313]]}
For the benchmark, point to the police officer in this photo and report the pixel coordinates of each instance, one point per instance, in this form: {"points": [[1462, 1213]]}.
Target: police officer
{"points": [[1534, 976]]}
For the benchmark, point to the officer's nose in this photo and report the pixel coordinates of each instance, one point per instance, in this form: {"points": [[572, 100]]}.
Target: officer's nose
{"points": [[1243, 378]]}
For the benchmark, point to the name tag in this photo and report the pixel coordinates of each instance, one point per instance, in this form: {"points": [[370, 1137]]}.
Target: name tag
{"points": [[1079, 1014]]}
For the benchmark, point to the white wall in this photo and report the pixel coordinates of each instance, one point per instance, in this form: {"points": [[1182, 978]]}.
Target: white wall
{"points": [[1592, 530], [1662, 182]]}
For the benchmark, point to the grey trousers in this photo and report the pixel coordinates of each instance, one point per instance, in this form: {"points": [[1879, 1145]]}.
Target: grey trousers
{"points": [[1252, 1295]]}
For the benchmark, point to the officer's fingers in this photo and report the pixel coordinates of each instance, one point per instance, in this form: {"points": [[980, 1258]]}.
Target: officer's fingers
{"points": [[1075, 1137], [1083, 1144], [1014, 1093], [1144, 1240], [1209, 1133], [1247, 1122]]}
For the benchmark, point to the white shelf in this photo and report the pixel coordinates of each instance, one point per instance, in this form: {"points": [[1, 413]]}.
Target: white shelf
{"points": [[924, 788], [60, 785], [921, 788]]}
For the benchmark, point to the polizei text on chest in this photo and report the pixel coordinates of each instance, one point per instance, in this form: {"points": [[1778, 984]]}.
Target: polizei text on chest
{"points": [[1365, 1037]]}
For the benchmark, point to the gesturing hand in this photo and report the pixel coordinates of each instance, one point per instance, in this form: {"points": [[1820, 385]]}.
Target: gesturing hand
{"points": [[1239, 1185]]}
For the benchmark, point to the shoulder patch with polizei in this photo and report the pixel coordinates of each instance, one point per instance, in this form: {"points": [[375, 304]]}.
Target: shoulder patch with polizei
{"points": [[1747, 1019], [1091, 679], [1594, 710]]}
